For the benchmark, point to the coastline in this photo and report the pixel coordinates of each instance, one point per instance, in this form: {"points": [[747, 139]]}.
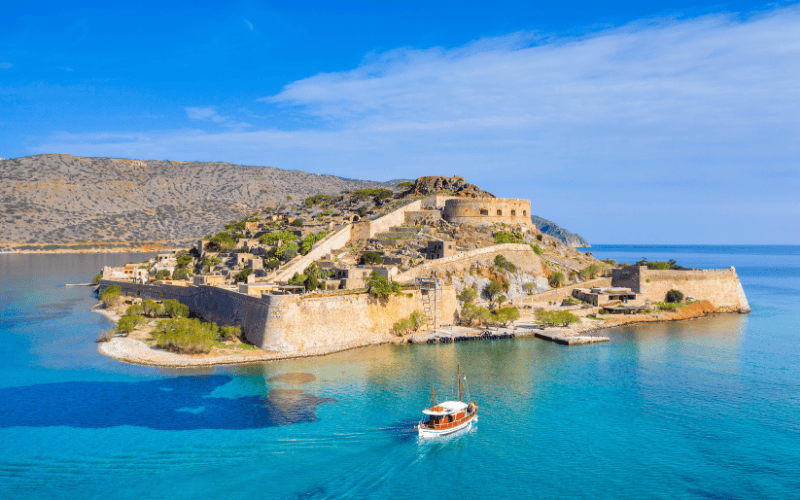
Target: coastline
{"points": [[134, 351]]}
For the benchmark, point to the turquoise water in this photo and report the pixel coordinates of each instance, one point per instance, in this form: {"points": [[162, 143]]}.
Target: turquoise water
{"points": [[698, 409]]}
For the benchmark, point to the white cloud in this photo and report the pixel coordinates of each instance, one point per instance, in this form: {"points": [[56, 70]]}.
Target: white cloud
{"points": [[209, 113], [249, 24], [5, 65], [625, 126]]}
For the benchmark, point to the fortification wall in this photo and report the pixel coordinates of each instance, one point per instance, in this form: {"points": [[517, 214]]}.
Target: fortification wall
{"points": [[224, 307], [519, 254], [312, 323], [330, 243], [436, 202], [721, 287], [476, 211], [291, 323]]}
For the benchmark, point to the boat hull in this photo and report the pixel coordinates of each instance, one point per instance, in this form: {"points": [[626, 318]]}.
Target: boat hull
{"points": [[425, 432]]}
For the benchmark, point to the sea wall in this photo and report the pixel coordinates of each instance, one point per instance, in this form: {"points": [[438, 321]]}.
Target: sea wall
{"points": [[519, 254], [292, 323], [720, 287], [312, 323]]}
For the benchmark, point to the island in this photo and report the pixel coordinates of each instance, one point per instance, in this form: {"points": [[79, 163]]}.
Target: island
{"points": [[431, 260]]}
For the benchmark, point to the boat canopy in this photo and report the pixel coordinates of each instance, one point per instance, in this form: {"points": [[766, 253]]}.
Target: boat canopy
{"points": [[446, 408]]}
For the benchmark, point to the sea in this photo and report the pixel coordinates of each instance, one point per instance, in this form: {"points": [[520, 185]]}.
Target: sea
{"points": [[701, 409]]}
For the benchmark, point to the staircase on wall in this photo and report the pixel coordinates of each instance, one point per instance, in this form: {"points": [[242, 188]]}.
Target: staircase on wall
{"points": [[432, 298]]}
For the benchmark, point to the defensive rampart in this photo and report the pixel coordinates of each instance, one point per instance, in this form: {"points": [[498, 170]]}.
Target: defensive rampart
{"points": [[720, 287], [293, 323], [476, 211], [519, 254], [330, 243]]}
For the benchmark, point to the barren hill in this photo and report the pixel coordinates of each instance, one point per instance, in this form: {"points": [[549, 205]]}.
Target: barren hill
{"points": [[58, 199]]}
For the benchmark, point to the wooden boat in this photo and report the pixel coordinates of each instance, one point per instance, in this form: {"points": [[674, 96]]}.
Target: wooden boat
{"points": [[449, 416]]}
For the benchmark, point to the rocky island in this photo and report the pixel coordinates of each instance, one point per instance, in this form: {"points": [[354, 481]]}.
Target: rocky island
{"points": [[433, 260]]}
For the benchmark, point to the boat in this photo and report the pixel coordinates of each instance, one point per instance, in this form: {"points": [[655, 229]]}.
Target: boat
{"points": [[449, 416]]}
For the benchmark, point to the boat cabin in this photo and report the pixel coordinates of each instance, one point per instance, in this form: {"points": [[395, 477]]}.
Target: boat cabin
{"points": [[448, 415]]}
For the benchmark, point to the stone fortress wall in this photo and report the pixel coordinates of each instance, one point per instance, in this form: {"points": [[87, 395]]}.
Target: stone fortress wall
{"points": [[720, 287], [476, 211], [521, 255], [293, 323]]}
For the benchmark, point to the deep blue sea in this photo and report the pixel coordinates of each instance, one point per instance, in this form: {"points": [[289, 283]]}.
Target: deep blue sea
{"points": [[703, 409]]}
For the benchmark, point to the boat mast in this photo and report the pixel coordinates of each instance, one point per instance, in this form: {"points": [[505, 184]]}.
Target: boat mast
{"points": [[459, 381], [433, 398]]}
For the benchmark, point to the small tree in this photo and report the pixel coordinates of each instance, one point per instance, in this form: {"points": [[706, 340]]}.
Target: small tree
{"points": [[557, 279], [468, 295], [674, 296], [505, 315], [181, 273], [162, 274], [297, 223], [111, 295], [493, 289], [529, 287], [501, 262], [379, 286], [152, 308], [175, 309], [241, 277], [472, 313], [96, 280], [371, 258]]}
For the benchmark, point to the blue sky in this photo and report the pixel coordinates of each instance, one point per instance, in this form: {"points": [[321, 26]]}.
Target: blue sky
{"points": [[628, 122]]}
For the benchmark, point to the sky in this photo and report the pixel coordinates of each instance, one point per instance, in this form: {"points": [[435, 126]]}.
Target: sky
{"points": [[662, 122]]}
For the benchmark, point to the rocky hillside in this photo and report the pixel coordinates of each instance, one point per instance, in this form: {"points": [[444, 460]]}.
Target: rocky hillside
{"points": [[61, 199], [550, 228]]}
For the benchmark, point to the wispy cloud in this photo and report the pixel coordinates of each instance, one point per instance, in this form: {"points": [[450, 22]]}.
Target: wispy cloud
{"points": [[5, 65], [209, 113], [693, 114], [249, 24]]}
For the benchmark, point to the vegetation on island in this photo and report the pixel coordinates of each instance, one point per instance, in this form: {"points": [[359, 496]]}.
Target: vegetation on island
{"points": [[563, 318], [413, 323]]}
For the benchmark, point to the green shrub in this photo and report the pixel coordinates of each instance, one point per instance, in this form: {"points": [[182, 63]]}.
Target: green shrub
{"points": [[181, 273], [505, 315], [371, 258], [412, 323], [507, 237], [536, 249], [222, 242], [175, 309], [273, 264], [557, 279], [162, 274], [589, 271], [241, 277], [277, 236], [501, 262], [674, 296], [529, 287], [493, 289], [152, 308], [297, 223], [185, 335], [563, 318], [111, 295], [610, 262], [406, 185], [468, 295], [230, 333], [96, 280], [472, 313], [184, 260], [379, 286], [308, 242], [128, 323], [135, 309]]}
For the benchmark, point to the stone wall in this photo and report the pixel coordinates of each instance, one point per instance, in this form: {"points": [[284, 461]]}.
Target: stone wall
{"points": [[291, 323], [476, 211], [328, 244], [520, 255], [311, 323], [721, 287], [556, 295]]}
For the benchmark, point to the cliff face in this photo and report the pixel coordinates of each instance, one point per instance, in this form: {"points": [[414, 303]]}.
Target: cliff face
{"points": [[550, 228], [455, 186], [59, 199]]}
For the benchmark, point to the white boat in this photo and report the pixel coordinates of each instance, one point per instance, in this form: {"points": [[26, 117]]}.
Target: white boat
{"points": [[449, 416]]}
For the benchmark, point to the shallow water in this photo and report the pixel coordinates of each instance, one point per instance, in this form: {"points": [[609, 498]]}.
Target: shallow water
{"points": [[698, 409]]}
